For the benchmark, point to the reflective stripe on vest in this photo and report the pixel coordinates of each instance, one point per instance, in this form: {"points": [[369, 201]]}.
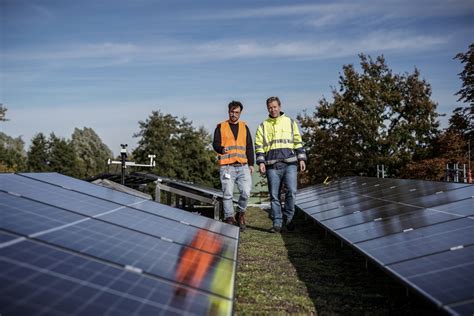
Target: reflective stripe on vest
{"points": [[236, 149], [277, 133]]}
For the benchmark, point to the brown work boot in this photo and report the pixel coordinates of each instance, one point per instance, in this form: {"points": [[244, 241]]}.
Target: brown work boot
{"points": [[241, 221], [230, 220]]}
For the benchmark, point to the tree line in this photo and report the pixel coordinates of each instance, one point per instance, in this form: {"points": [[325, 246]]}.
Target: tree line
{"points": [[375, 117], [81, 156]]}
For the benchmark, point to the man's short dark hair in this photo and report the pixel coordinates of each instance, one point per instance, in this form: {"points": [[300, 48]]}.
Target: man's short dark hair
{"points": [[271, 99], [234, 104]]}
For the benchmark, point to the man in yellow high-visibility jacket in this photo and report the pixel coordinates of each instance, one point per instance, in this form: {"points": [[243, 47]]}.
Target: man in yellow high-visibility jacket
{"points": [[235, 154], [279, 151]]}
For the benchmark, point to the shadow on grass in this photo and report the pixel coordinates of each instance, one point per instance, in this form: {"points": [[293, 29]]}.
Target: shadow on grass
{"points": [[338, 281]]}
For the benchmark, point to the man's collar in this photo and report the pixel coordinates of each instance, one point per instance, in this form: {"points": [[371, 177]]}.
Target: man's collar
{"points": [[275, 118]]}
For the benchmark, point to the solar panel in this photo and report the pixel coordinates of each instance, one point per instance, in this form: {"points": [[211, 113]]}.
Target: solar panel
{"points": [[415, 219], [449, 275], [83, 187], [191, 262], [40, 279], [108, 195], [420, 231], [27, 217], [420, 242]]}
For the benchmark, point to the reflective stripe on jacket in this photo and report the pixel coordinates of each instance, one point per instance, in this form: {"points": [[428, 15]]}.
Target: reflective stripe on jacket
{"points": [[279, 139], [236, 149]]}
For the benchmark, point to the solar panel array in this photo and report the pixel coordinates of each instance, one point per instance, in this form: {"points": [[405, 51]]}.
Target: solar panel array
{"points": [[419, 231], [69, 247]]}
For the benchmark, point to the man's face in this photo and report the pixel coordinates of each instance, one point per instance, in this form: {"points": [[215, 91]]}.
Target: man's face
{"points": [[234, 115], [274, 109]]}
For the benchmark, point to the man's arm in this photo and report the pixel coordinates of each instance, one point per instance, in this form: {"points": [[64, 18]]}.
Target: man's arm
{"points": [[260, 153], [249, 149], [216, 144], [298, 147], [298, 143]]}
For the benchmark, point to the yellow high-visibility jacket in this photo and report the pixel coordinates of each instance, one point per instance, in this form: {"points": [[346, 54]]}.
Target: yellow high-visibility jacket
{"points": [[279, 139]]}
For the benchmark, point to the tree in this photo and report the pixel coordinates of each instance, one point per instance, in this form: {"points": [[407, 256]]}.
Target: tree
{"points": [[466, 93], [91, 152], [463, 118], [3, 110], [448, 148], [38, 155], [12, 154], [200, 163], [157, 134], [62, 156], [452, 145], [182, 151], [376, 117]]}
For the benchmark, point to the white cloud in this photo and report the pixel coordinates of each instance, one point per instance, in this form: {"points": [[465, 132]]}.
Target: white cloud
{"points": [[111, 54], [392, 8], [79, 51], [278, 11]]}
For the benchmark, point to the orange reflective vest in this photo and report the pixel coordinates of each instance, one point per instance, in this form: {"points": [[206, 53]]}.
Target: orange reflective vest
{"points": [[196, 260], [236, 149]]}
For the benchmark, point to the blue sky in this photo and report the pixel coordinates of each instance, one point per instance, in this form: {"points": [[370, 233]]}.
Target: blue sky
{"points": [[108, 64]]}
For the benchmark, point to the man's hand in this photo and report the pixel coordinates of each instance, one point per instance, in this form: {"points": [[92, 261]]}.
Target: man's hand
{"points": [[261, 168], [302, 165], [251, 170]]}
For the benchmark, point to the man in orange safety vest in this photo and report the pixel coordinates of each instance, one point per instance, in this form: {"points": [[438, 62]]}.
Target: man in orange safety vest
{"points": [[235, 154]]}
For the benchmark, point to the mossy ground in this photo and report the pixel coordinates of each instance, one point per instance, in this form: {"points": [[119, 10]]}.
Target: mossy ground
{"points": [[307, 272]]}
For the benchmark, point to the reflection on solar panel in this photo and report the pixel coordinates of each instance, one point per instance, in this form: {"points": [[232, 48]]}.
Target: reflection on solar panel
{"points": [[86, 249], [419, 231]]}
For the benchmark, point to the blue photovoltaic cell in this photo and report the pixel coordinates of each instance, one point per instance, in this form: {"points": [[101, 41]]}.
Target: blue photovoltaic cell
{"points": [[159, 227], [377, 213], [165, 227], [449, 275], [347, 209], [27, 217], [328, 199], [421, 231], [125, 247], [5, 237], [108, 234], [84, 187], [134, 202], [54, 195], [400, 222], [420, 242], [186, 217], [444, 197], [37, 279]]}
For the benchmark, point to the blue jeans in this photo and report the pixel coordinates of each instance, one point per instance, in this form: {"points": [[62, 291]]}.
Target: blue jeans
{"points": [[230, 175], [275, 177]]}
